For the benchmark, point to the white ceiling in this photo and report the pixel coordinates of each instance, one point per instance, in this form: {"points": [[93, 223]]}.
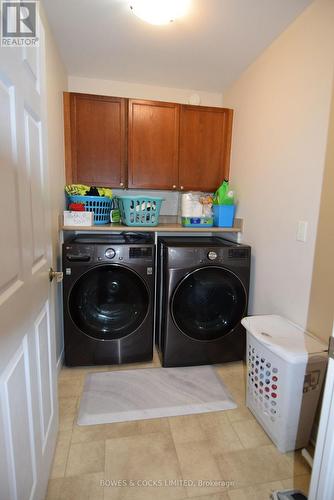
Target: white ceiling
{"points": [[207, 50]]}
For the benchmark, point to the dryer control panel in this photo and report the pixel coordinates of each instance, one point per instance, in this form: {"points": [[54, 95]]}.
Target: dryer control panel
{"points": [[182, 256]]}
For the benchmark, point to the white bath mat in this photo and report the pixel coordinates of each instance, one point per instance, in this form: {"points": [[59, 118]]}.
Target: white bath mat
{"points": [[124, 395]]}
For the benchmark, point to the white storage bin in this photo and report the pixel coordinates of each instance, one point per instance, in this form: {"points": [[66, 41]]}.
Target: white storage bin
{"points": [[286, 368]]}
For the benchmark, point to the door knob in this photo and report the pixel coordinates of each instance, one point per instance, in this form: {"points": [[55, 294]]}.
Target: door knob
{"points": [[174, 186], [181, 187], [55, 274], [121, 184]]}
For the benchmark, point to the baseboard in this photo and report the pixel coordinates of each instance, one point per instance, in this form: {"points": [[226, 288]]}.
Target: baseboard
{"points": [[60, 362]]}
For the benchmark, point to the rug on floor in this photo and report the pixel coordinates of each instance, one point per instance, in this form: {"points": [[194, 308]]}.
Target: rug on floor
{"points": [[120, 396]]}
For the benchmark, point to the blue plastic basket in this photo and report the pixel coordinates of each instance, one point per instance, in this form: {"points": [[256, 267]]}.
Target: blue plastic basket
{"points": [[140, 210], [100, 205]]}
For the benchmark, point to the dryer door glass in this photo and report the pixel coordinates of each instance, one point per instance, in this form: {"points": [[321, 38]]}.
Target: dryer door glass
{"points": [[109, 302], [208, 303]]}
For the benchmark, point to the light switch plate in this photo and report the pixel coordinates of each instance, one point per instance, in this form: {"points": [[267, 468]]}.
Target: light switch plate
{"points": [[302, 231]]}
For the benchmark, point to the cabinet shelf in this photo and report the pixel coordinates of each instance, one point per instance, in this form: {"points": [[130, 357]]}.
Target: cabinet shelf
{"points": [[161, 228]]}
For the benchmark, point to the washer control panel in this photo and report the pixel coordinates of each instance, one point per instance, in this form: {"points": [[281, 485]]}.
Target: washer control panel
{"points": [[212, 255], [110, 253], [82, 253], [124, 253], [127, 248]]}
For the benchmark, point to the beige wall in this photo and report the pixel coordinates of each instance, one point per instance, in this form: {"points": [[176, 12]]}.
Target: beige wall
{"points": [[141, 91], [282, 105], [321, 307], [56, 83]]}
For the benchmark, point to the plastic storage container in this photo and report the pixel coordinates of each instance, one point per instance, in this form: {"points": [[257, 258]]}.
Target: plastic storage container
{"points": [[140, 210], [223, 215], [100, 205], [286, 368], [288, 495], [197, 221]]}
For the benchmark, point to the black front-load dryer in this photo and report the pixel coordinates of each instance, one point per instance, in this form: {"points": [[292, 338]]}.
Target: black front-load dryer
{"points": [[108, 295], [202, 296]]}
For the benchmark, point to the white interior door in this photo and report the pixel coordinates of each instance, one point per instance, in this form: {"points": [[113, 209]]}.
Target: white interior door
{"points": [[322, 480], [28, 416]]}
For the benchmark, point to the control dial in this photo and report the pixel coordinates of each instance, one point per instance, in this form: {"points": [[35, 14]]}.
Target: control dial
{"points": [[110, 253], [212, 255]]}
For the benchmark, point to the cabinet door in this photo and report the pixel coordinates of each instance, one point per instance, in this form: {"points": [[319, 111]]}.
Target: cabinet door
{"points": [[95, 140], [205, 143], [153, 144]]}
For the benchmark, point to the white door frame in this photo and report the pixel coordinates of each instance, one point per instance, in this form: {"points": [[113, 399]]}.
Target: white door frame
{"points": [[322, 480]]}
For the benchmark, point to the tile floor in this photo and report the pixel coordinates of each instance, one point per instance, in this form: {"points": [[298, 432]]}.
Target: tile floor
{"points": [[227, 449]]}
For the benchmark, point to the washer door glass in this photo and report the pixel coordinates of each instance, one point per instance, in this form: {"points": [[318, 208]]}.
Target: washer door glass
{"points": [[208, 303], [109, 302]]}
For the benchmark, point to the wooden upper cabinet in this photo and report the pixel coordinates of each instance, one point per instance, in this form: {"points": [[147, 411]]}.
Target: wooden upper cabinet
{"points": [[205, 144], [95, 139], [118, 142], [153, 144]]}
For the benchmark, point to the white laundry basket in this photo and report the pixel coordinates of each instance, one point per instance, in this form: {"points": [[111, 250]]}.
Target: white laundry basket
{"points": [[286, 368]]}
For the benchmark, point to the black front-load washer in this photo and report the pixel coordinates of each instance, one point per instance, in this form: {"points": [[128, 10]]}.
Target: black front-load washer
{"points": [[108, 295], [202, 295]]}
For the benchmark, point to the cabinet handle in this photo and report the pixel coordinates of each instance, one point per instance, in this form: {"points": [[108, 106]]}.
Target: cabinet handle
{"points": [[174, 186], [121, 184], [181, 187]]}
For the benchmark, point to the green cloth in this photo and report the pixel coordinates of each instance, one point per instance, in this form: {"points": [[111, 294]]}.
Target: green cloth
{"points": [[81, 190], [76, 189], [105, 192]]}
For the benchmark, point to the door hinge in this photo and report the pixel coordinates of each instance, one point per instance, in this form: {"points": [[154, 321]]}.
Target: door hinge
{"points": [[331, 347]]}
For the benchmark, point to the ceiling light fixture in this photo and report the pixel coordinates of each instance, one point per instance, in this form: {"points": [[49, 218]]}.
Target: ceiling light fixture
{"points": [[159, 11]]}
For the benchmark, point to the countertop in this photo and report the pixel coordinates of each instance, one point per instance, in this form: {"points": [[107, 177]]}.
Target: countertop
{"points": [[160, 228]]}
